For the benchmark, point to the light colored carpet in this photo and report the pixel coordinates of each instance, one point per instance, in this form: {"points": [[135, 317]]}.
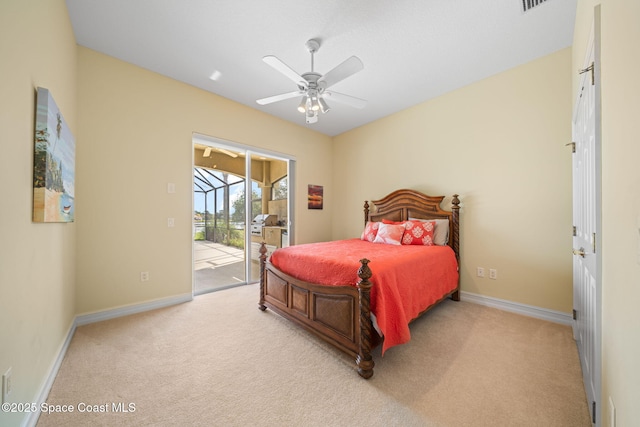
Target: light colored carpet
{"points": [[219, 361]]}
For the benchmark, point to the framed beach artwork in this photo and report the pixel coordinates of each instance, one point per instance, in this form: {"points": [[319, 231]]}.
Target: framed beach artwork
{"points": [[53, 163], [315, 196]]}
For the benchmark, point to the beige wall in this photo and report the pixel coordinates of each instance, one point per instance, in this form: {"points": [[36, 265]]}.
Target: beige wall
{"points": [[37, 261], [135, 130], [621, 200], [499, 144]]}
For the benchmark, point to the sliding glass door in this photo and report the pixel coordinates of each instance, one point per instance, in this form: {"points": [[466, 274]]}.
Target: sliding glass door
{"points": [[242, 197]]}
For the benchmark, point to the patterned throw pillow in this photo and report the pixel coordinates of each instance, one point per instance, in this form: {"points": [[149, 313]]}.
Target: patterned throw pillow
{"points": [[418, 233], [390, 234], [370, 231], [441, 231]]}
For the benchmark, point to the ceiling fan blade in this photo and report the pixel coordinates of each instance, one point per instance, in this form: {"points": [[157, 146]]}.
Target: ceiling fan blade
{"points": [[281, 97], [341, 72], [345, 99], [286, 70]]}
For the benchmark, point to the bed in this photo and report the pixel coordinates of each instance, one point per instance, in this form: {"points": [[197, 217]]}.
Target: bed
{"points": [[350, 307]]}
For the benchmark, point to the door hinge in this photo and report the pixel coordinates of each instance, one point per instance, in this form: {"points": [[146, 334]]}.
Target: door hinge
{"points": [[586, 70], [593, 242], [593, 412], [573, 146], [575, 314], [575, 231]]}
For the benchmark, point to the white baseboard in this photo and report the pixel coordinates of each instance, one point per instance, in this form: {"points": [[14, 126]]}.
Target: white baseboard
{"points": [[514, 307], [85, 319], [32, 418]]}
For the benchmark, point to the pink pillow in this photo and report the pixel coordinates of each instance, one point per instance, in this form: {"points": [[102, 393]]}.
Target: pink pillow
{"points": [[370, 231], [390, 234], [418, 233], [388, 221]]}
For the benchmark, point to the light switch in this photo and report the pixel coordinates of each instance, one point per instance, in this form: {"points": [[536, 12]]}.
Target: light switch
{"points": [[170, 222], [171, 188]]}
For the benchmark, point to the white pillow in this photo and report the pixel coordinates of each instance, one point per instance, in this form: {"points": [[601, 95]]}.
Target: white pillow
{"points": [[390, 234], [441, 232]]}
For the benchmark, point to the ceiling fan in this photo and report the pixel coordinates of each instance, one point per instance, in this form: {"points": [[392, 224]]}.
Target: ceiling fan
{"points": [[313, 86]]}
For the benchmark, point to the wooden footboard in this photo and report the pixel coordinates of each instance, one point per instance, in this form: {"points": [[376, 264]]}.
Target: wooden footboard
{"points": [[340, 315]]}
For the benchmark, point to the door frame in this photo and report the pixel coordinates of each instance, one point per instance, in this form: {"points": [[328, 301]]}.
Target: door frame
{"points": [[249, 151]]}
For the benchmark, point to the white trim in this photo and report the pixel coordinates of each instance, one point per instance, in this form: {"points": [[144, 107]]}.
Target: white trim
{"points": [[514, 307], [99, 316], [32, 418]]}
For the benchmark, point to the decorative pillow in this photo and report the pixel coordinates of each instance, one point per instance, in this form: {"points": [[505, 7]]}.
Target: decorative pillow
{"points": [[418, 233], [370, 231], [390, 234], [441, 232]]}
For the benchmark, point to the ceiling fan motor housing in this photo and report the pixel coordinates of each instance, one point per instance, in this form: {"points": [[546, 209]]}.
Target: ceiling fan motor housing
{"points": [[312, 81]]}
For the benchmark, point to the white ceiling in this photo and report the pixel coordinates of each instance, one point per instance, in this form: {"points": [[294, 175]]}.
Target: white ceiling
{"points": [[412, 50]]}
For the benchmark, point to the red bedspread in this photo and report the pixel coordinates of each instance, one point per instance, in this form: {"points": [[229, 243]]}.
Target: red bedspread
{"points": [[406, 279]]}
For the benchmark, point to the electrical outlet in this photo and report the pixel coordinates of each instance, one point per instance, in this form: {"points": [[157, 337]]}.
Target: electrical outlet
{"points": [[480, 272], [7, 386], [144, 276], [171, 188], [493, 273]]}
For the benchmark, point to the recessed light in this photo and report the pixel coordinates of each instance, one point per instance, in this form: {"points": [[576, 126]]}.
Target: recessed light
{"points": [[215, 76]]}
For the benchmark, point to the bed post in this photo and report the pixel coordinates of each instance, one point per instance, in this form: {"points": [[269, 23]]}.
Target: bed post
{"points": [[366, 212], [364, 361], [455, 209], [263, 261]]}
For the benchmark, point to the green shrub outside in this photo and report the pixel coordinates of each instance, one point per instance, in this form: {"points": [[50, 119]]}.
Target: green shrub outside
{"points": [[226, 236]]}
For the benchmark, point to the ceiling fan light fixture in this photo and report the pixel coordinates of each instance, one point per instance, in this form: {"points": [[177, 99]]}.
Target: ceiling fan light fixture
{"points": [[303, 105], [324, 107], [314, 100]]}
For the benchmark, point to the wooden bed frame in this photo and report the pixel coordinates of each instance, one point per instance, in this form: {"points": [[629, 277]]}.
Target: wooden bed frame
{"points": [[341, 315]]}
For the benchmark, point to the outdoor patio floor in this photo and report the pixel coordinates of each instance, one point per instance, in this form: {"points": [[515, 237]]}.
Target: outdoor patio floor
{"points": [[217, 266]]}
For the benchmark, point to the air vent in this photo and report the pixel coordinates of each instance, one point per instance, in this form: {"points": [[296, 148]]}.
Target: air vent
{"points": [[530, 4]]}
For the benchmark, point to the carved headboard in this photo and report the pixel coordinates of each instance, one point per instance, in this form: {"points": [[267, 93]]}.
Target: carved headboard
{"points": [[404, 204]]}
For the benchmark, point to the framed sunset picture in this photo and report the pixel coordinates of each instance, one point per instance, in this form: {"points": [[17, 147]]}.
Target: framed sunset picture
{"points": [[314, 197], [53, 163]]}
